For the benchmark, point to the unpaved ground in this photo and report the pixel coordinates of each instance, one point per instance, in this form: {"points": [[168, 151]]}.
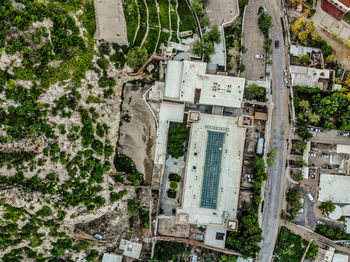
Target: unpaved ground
{"points": [[221, 12], [110, 21], [137, 137]]}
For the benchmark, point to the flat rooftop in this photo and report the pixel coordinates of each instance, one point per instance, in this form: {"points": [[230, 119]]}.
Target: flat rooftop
{"points": [[334, 188], [213, 170], [187, 81]]}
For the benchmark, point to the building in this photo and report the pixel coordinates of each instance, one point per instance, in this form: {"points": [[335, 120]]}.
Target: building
{"points": [[340, 258], [334, 188], [110, 257], [188, 82], [308, 76], [214, 163], [131, 249], [336, 8]]}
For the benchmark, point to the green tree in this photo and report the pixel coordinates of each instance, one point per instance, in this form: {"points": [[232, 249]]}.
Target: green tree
{"points": [[203, 48], [327, 207], [103, 63], [196, 7], [255, 92], [312, 252], [265, 23], [136, 57], [173, 185], [215, 34], [134, 207], [305, 59]]}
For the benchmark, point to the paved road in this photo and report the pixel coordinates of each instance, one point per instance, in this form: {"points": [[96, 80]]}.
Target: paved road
{"points": [[274, 185]]}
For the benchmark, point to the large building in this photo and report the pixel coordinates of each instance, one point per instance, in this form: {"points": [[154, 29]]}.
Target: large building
{"points": [[213, 170], [213, 162], [336, 8]]}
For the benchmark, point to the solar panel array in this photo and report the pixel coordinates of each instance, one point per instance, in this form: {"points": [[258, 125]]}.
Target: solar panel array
{"points": [[212, 168]]}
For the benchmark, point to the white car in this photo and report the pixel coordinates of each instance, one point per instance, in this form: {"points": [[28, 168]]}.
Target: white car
{"points": [[301, 210], [250, 180], [318, 130], [312, 154], [325, 156], [310, 197], [259, 56], [320, 222]]}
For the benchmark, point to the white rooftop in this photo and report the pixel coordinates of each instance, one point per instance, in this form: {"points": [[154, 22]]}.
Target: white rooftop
{"points": [[171, 112], [343, 149], [184, 79], [131, 249], [230, 170], [340, 258], [110, 257], [299, 50], [211, 236], [334, 188], [308, 76]]}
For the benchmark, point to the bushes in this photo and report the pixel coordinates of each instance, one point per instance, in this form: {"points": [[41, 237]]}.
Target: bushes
{"points": [[173, 185], [117, 196], [103, 63], [166, 251], [265, 23], [136, 57], [177, 136], [333, 233], [171, 193], [255, 92], [293, 197], [174, 177], [327, 207], [126, 165]]}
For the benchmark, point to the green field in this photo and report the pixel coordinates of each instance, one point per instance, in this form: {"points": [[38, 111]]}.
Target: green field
{"points": [[186, 18], [130, 13], [289, 247]]}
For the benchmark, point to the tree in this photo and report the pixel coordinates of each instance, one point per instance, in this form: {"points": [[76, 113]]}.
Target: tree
{"points": [[304, 105], [271, 156], [136, 57], [327, 207], [203, 48], [103, 63], [215, 34], [300, 145], [312, 252], [314, 118], [196, 7], [255, 92], [347, 80], [305, 59], [134, 207], [265, 22], [173, 185]]}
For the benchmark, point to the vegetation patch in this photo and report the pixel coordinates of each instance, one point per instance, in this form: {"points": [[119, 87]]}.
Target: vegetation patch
{"points": [[289, 247], [178, 134]]}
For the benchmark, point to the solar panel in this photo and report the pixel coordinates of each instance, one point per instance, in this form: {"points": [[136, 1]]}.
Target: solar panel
{"points": [[212, 168]]}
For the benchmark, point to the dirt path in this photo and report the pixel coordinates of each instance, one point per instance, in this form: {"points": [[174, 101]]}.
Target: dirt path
{"points": [[178, 20], [170, 29], [138, 24], [160, 28], [147, 29]]}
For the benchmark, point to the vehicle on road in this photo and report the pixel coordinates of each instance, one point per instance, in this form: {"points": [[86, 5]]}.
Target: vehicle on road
{"points": [[259, 56], [346, 134], [310, 197], [277, 44]]}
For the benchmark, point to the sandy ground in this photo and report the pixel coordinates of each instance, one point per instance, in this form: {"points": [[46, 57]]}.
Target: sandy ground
{"points": [[221, 12], [137, 137], [110, 21]]}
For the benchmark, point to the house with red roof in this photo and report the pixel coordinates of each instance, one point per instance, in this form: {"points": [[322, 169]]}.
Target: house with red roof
{"points": [[336, 8]]}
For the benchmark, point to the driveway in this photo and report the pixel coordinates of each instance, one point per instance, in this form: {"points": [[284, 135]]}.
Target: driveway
{"points": [[274, 187], [253, 41]]}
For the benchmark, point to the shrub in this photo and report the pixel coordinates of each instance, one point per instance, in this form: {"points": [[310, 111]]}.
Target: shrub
{"points": [[255, 92], [117, 196], [133, 207], [103, 63], [177, 137], [174, 177], [171, 193], [173, 185]]}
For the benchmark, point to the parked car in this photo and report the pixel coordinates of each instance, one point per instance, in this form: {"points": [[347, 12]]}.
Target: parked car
{"points": [[310, 197], [346, 134], [312, 154], [250, 180], [249, 175], [318, 130], [285, 73], [277, 44], [310, 128], [301, 201], [320, 222], [301, 210], [325, 156], [259, 56]]}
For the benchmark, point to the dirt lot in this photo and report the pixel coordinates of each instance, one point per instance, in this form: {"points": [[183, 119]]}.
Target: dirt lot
{"points": [[221, 11], [110, 21], [138, 131]]}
